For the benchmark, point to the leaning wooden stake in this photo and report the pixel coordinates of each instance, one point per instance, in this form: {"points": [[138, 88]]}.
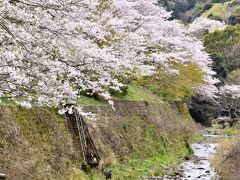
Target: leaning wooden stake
{"points": [[3, 176]]}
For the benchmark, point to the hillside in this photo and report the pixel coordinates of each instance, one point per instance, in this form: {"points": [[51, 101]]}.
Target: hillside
{"points": [[187, 11], [229, 12], [34, 144], [134, 141]]}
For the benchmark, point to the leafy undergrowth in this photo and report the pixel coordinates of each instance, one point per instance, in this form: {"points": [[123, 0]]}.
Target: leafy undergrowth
{"points": [[174, 86]]}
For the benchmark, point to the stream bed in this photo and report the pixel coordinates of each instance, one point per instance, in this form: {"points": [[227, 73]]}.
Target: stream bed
{"points": [[199, 166]]}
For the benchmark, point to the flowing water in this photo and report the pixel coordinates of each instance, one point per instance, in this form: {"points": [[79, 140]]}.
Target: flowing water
{"points": [[200, 166]]}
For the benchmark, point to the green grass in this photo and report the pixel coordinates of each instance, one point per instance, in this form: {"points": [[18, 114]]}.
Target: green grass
{"points": [[153, 166], [84, 100], [232, 131], [197, 138], [135, 93], [137, 169], [77, 174], [151, 150], [138, 93], [7, 101]]}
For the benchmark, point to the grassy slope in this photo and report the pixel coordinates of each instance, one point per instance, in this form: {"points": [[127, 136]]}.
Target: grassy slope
{"points": [[135, 93], [152, 148], [34, 144], [84, 101], [47, 142]]}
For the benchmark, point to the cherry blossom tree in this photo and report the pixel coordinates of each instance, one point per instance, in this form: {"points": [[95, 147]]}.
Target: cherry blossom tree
{"points": [[202, 24], [144, 29], [229, 100], [51, 51]]}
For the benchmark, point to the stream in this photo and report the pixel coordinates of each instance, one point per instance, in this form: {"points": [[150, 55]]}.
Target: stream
{"points": [[199, 167]]}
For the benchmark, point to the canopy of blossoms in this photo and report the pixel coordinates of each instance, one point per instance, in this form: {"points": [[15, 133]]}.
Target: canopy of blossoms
{"points": [[52, 50]]}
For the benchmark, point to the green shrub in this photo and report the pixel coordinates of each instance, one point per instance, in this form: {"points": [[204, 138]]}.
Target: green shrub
{"points": [[174, 86]]}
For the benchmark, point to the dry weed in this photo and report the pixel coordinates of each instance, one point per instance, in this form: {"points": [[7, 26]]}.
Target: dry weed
{"points": [[227, 159]]}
